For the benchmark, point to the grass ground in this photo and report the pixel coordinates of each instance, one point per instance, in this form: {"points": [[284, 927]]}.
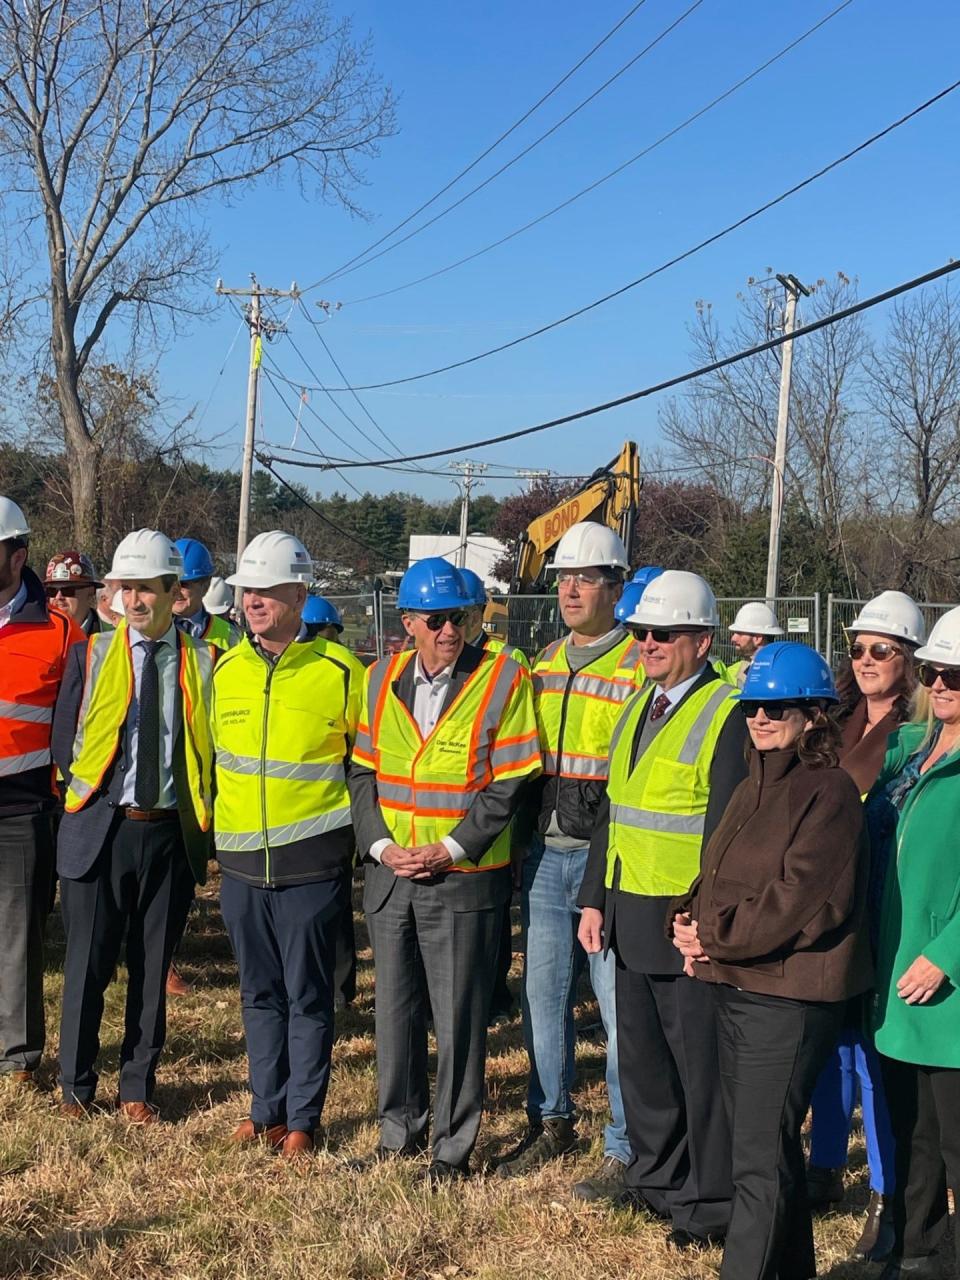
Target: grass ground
{"points": [[97, 1199]]}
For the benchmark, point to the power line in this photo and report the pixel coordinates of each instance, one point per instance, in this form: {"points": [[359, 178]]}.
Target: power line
{"points": [[483, 154], [306, 404], [565, 204], [265, 461], [680, 379], [520, 155]]}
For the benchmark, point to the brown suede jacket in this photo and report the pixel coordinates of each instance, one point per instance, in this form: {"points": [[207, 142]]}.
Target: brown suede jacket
{"points": [[781, 899]]}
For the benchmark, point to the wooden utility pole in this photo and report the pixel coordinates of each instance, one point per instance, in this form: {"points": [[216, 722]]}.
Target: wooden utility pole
{"points": [[793, 289], [469, 473]]}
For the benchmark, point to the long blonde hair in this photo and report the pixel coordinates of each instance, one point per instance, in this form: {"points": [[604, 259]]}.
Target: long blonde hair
{"points": [[921, 712]]}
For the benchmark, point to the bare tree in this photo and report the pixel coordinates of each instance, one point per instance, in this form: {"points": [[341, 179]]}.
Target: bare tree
{"points": [[119, 120]]}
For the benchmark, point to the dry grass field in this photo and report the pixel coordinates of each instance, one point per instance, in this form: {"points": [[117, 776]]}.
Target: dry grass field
{"points": [[97, 1199]]}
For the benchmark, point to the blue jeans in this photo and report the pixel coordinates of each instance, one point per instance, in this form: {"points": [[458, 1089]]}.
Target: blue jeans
{"points": [[553, 961], [853, 1061]]}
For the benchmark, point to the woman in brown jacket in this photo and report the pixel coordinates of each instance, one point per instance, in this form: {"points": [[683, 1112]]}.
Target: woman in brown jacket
{"points": [[775, 922]]}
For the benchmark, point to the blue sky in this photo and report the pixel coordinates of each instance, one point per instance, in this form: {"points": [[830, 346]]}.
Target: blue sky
{"points": [[463, 74]]}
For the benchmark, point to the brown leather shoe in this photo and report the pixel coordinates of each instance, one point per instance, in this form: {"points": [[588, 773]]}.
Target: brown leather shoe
{"points": [[176, 984], [74, 1110], [271, 1134], [296, 1144], [139, 1112], [22, 1079]]}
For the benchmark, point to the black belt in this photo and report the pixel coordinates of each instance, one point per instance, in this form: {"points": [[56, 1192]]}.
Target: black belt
{"points": [[147, 815]]}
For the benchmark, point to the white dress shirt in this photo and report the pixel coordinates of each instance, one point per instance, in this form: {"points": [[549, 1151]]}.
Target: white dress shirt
{"points": [[676, 693], [167, 674], [10, 608], [429, 695]]}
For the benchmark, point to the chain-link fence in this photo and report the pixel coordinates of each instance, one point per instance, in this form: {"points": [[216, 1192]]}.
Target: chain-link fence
{"points": [[798, 615], [841, 613], [360, 623]]}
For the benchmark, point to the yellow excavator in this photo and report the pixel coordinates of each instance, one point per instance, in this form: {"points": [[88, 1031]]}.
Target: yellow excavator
{"points": [[610, 496]]}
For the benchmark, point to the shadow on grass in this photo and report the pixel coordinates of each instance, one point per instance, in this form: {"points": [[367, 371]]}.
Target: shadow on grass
{"points": [[53, 1251]]}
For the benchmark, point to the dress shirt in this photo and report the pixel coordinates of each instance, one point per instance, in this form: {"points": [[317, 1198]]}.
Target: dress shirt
{"points": [[10, 608], [429, 695], [167, 674], [674, 695], [195, 624]]}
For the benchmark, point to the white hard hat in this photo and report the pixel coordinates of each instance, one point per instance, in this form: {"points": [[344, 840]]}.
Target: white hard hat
{"points": [[588, 545], [944, 643], [219, 597], [676, 599], [146, 554], [892, 613], [13, 523], [116, 603], [756, 619], [272, 559]]}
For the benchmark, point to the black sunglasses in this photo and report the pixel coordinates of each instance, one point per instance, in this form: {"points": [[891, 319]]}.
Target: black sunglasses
{"points": [[659, 635], [67, 592], [927, 675], [879, 652], [436, 621], [774, 710]]}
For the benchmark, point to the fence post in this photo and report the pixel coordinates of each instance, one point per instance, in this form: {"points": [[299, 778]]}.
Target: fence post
{"points": [[378, 615], [829, 644], [816, 623]]}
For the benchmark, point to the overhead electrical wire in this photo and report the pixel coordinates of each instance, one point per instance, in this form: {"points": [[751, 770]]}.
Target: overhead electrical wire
{"points": [[668, 383], [522, 154], [672, 262], [338, 528], [483, 154], [599, 182]]}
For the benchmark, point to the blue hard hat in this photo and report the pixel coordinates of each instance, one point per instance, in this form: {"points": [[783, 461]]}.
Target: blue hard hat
{"points": [[197, 560], [788, 672], [629, 599], [433, 583], [320, 612], [646, 575], [475, 587]]}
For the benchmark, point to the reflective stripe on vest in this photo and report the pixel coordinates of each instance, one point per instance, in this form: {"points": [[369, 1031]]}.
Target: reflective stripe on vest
{"points": [[577, 711], [658, 808], [426, 786], [282, 733], [31, 668], [108, 691]]}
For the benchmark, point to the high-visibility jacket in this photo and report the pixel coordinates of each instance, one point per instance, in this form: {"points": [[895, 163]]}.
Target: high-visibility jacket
{"points": [[733, 672], [493, 644], [576, 715], [220, 633], [658, 808], [33, 653], [107, 694], [425, 786], [282, 733]]}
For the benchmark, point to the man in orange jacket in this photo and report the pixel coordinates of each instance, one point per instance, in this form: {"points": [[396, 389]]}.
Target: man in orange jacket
{"points": [[34, 641]]}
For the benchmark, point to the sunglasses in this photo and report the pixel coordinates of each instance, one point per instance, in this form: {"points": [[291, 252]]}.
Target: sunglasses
{"points": [[659, 635], [950, 676], [774, 711], [68, 593], [879, 651], [437, 621]]}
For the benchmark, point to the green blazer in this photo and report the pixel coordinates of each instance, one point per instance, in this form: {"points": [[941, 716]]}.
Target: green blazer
{"points": [[920, 912]]}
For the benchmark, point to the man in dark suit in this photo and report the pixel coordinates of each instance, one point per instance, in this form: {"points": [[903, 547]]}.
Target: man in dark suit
{"points": [[446, 741], [132, 738], [676, 757]]}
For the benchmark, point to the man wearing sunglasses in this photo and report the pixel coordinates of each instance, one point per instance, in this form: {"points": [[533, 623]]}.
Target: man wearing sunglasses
{"points": [[447, 738], [676, 757], [71, 586]]}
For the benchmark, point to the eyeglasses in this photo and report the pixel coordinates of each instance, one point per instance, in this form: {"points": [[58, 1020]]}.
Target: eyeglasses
{"points": [[659, 635], [437, 621], [927, 675], [879, 651], [775, 710], [68, 593], [583, 579]]}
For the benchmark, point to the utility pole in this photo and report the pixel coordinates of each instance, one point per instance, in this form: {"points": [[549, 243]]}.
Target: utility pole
{"points": [[532, 477], [793, 289], [470, 473], [259, 329]]}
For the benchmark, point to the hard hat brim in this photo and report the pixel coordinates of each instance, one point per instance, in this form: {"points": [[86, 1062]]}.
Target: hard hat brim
{"points": [[257, 582], [755, 631], [657, 622]]}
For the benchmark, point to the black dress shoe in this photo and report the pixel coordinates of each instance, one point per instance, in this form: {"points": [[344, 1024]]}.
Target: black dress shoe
{"points": [[439, 1173], [681, 1239]]}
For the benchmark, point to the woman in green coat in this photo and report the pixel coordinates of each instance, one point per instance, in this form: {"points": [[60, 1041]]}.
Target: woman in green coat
{"points": [[914, 815]]}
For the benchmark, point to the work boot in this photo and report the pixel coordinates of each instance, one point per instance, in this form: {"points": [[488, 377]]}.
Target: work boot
{"points": [[177, 985], [876, 1239], [926, 1268], [606, 1184], [824, 1186], [541, 1143]]}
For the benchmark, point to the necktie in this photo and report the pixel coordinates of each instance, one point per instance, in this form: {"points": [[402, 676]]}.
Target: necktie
{"points": [[661, 705], [146, 789]]}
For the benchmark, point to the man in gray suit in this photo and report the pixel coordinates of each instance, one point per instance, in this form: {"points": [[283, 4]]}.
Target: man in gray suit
{"points": [[131, 736], [446, 741]]}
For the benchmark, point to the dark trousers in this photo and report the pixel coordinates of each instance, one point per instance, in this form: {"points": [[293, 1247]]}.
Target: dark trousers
{"points": [[924, 1105], [26, 874], [285, 940], [421, 946], [345, 965], [140, 884], [502, 1001], [771, 1052], [676, 1124]]}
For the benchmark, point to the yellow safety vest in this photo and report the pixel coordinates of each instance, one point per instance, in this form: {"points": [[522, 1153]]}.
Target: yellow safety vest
{"points": [[577, 711], [493, 644], [658, 808], [107, 693], [425, 786], [282, 733], [734, 672], [220, 633]]}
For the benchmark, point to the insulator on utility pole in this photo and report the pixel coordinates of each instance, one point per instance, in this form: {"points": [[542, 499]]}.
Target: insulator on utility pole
{"points": [[469, 477]]}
